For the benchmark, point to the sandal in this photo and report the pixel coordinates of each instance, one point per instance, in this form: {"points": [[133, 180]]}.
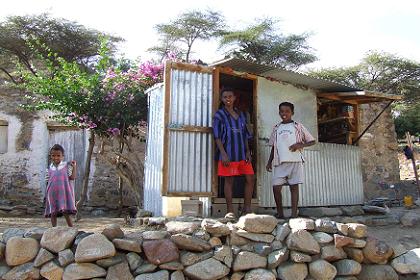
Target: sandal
{"points": [[230, 215], [277, 216]]}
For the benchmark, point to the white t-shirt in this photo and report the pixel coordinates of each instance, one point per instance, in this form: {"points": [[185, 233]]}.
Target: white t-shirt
{"points": [[286, 136]]}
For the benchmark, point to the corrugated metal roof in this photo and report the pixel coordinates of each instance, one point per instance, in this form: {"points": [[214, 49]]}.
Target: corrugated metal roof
{"points": [[282, 75]]}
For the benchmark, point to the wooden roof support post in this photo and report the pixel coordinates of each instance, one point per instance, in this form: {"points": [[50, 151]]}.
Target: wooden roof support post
{"points": [[374, 120]]}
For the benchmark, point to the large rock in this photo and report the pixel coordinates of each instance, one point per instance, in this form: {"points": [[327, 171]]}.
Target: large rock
{"points": [[410, 219], [119, 271], [325, 225], [57, 239], [146, 267], [21, 250], [357, 243], [248, 260], [341, 240], [94, 247], [292, 271], [357, 230], [299, 257], [177, 275], [377, 272], [354, 254], [282, 231], [160, 251], [320, 212], [22, 272], [259, 274], [12, 232], [108, 262], [130, 245], [342, 228], [207, 270], [224, 254], [215, 228], [332, 253], [257, 237], [134, 260], [257, 223], [235, 240], [189, 258], [215, 241], [190, 243], [408, 262], [43, 257], [377, 251], [277, 257], [263, 249], [155, 234], [172, 266], [322, 270], [113, 231], [301, 240], [322, 237], [175, 227], [355, 210], [301, 223], [347, 267], [77, 271], [35, 233], [65, 257], [160, 275], [52, 271]]}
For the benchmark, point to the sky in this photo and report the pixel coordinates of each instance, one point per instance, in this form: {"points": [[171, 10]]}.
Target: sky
{"points": [[342, 32]]}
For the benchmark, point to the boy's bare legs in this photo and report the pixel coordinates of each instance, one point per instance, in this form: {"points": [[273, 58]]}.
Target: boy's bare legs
{"points": [[249, 190], [278, 199], [294, 190], [228, 193], [68, 220], [54, 220]]}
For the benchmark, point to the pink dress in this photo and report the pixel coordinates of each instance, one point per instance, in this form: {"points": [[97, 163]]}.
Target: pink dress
{"points": [[59, 193]]}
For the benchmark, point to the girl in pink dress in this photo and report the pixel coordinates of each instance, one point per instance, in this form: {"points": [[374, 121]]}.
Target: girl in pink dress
{"points": [[59, 194]]}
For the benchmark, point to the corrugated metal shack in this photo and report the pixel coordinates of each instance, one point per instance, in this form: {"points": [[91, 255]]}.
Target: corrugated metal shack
{"points": [[180, 146]]}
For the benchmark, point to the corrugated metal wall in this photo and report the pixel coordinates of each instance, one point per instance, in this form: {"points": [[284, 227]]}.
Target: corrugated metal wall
{"points": [[190, 153], [154, 151], [333, 176]]}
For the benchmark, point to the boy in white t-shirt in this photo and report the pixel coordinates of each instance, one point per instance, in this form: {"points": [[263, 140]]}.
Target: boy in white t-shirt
{"points": [[287, 142]]}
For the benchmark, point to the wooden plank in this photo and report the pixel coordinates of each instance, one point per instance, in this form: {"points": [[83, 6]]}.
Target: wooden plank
{"points": [[219, 200], [191, 67], [4, 123], [190, 128], [356, 109], [216, 101], [189, 194], [167, 102], [230, 71], [255, 133]]}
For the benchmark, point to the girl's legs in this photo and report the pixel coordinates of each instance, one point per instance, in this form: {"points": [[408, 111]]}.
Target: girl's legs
{"points": [[278, 199], [68, 220], [249, 190], [294, 190], [228, 193], [54, 220]]}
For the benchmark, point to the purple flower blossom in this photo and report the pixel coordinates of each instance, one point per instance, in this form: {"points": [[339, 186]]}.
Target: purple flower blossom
{"points": [[113, 131]]}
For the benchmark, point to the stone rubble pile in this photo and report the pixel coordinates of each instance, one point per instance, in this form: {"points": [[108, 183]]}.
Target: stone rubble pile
{"points": [[255, 247]]}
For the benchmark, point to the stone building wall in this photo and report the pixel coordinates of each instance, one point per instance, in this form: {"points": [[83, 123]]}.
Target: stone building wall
{"points": [[379, 150], [22, 167]]}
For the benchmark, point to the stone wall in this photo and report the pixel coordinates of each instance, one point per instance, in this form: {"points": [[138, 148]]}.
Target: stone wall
{"points": [[256, 247], [379, 150], [23, 165]]}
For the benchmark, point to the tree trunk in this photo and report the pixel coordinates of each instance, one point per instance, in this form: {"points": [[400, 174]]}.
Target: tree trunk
{"points": [[83, 195]]}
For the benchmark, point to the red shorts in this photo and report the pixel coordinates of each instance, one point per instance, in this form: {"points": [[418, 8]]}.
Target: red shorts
{"points": [[235, 168]]}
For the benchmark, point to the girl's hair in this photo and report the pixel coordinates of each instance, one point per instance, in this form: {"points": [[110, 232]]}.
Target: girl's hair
{"points": [[225, 89], [288, 104], [57, 147]]}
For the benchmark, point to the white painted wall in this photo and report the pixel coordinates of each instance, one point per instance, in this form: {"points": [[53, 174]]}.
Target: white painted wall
{"points": [[270, 94]]}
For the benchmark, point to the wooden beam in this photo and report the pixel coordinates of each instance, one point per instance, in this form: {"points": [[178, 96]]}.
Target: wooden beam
{"points": [[191, 67], [191, 128], [216, 101], [167, 102]]}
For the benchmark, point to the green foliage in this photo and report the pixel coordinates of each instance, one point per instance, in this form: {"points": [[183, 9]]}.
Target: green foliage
{"points": [[69, 40], [261, 43], [389, 74], [179, 35]]}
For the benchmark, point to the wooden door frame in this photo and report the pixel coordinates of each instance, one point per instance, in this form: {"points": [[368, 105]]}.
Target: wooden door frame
{"points": [[216, 99]]}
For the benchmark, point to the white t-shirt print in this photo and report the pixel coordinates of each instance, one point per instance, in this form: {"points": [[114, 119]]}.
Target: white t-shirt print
{"points": [[286, 136]]}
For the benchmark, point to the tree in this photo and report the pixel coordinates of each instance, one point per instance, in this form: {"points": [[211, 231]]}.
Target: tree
{"points": [[260, 43], [69, 40], [385, 73], [179, 35], [107, 100]]}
